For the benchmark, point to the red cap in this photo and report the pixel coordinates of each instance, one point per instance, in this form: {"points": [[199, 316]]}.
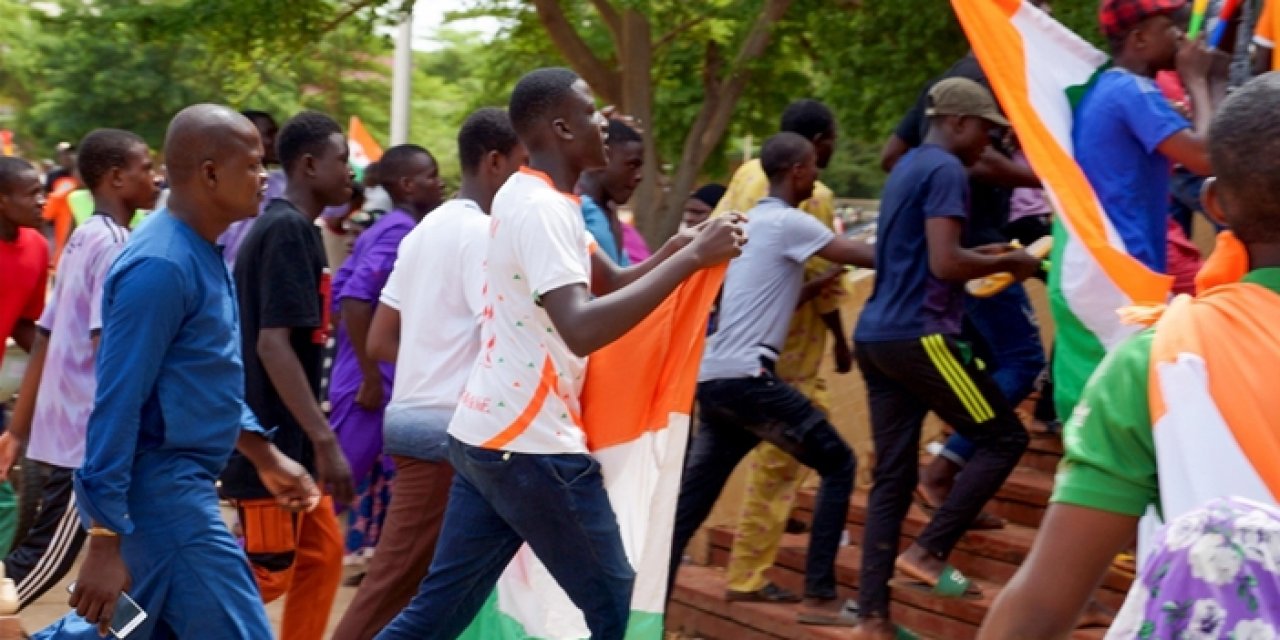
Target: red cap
{"points": [[1119, 17]]}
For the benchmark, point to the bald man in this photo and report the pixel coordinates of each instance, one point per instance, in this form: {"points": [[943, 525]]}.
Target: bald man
{"points": [[170, 407]]}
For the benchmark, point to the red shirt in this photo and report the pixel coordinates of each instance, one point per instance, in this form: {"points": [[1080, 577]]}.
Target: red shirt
{"points": [[25, 265]]}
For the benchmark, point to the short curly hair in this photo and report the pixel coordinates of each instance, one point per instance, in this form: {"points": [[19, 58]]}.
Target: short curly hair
{"points": [[304, 133], [537, 94], [103, 150], [488, 129], [808, 118]]}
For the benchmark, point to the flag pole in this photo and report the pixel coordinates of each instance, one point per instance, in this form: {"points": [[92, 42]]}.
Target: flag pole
{"points": [[402, 71]]}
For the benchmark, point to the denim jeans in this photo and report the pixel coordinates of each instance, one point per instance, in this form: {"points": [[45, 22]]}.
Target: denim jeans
{"points": [[555, 502], [736, 414], [1006, 325]]}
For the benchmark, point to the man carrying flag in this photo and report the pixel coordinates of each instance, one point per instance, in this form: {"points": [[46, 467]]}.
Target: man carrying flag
{"points": [[1205, 427], [1126, 136]]}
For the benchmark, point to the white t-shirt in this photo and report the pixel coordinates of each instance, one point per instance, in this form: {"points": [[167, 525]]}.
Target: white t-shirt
{"points": [[437, 285], [523, 394], [761, 289]]}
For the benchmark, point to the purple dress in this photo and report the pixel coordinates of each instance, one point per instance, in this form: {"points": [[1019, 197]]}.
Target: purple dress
{"points": [[362, 277]]}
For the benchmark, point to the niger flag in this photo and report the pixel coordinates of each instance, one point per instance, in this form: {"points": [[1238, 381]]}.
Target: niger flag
{"points": [[1039, 70], [636, 402], [364, 149]]}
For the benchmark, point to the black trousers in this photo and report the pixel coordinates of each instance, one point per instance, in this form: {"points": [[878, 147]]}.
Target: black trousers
{"points": [[49, 549], [905, 380]]}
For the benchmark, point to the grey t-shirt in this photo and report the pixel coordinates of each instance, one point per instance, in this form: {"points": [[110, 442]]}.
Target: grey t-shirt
{"points": [[761, 289]]}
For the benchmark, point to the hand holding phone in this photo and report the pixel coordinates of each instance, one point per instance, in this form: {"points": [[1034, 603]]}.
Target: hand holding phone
{"points": [[126, 617]]}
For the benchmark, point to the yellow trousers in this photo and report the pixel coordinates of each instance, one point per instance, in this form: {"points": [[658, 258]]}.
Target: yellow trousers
{"points": [[773, 478]]}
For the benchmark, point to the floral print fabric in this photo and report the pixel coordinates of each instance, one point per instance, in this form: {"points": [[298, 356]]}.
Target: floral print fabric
{"points": [[1214, 573]]}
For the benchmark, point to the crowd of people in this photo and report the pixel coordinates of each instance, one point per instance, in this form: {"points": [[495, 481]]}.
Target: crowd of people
{"points": [[207, 338]]}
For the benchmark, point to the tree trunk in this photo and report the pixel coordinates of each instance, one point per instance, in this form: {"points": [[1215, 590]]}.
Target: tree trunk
{"points": [[636, 56], [722, 94]]}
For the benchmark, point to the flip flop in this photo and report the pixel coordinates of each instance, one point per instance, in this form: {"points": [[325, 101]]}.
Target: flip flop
{"points": [[770, 592], [846, 617], [985, 521], [949, 584]]}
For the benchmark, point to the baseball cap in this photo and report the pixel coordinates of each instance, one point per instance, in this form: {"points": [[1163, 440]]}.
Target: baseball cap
{"points": [[1119, 17], [963, 97]]}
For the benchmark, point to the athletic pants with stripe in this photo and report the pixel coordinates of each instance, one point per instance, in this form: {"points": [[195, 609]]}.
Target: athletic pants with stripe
{"points": [[49, 548], [906, 379]]}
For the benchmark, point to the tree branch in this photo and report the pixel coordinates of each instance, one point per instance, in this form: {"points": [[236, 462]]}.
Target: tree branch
{"points": [[611, 18], [603, 81], [672, 34], [722, 90]]}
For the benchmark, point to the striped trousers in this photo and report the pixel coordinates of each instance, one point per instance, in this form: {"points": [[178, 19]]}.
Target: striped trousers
{"points": [[906, 379], [49, 549]]}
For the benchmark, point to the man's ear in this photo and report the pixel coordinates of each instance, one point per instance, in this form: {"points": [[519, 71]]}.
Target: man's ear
{"points": [[561, 129], [209, 173], [1211, 202], [117, 180]]}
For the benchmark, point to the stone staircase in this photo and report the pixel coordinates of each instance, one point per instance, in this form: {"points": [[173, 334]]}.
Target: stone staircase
{"points": [[698, 608]]}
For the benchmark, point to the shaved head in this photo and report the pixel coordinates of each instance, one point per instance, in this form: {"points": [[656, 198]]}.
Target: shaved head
{"points": [[204, 132], [214, 158]]}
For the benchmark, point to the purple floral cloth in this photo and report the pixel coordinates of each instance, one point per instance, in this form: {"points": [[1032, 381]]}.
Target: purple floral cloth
{"points": [[1214, 573]]}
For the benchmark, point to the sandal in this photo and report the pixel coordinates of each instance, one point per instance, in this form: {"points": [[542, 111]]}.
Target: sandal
{"points": [[950, 583], [770, 592], [846, 617]]}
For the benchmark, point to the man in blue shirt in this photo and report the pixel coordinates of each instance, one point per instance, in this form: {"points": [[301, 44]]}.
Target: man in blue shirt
{"points": [[1126, 137], [612, 184], [170, 407], [907, 349]]}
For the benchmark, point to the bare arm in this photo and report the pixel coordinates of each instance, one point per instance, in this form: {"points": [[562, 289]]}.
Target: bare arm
{"points": [[586, 324], [607, 276], [24, 333], [894, 149], [1069, 558], [1203, 74], [842, 250], [20, 426], [950, 261], [840, 342], [384, 334], [994, 168], [290, 381], [357, 315]]}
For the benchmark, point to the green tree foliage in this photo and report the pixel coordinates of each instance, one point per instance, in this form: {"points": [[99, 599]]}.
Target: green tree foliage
{"points": [[133, 64]]}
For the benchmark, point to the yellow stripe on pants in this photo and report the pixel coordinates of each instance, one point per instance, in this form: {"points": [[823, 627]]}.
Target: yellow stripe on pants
{"points": [[959, 381]]}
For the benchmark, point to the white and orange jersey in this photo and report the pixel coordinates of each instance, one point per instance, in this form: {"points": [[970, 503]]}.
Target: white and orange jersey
{"points": [[524, 391]]}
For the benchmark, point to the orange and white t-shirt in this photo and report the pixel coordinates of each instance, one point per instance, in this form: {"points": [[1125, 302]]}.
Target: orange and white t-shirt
{"points": [[523, 393]]}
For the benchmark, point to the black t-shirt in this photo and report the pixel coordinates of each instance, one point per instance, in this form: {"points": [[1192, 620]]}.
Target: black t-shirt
{"points": [[988, 203], [282, 281]]}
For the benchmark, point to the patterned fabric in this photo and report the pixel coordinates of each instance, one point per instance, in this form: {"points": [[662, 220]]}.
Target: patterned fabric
{"points": [[1118, 17], [370, 510], [1215, 573]]}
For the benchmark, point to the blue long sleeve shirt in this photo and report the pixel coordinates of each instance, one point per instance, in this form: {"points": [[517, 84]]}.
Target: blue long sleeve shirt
{"points": [[169, 371]]}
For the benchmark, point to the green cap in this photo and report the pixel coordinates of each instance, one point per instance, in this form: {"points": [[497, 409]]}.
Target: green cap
{"points": [[963, 97]]}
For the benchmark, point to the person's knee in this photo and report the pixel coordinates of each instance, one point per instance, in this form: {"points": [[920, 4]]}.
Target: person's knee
{"points": [[838, 463]]}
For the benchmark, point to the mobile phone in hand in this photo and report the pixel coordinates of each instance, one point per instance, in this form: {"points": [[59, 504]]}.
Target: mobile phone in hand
{"points": [[126, 619]]}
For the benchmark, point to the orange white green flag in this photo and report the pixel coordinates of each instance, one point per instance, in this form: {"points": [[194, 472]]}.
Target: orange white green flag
{"points": [[1039, 70], [635, 411], [363, 148]]}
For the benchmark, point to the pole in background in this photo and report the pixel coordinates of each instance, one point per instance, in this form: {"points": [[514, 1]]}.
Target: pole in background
{"points": [[402, 71]]}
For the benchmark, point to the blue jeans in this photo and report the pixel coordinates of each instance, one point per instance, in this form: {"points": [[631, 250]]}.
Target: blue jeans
{"points": [[1006, 325], [555, 502], [736, 414]]}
